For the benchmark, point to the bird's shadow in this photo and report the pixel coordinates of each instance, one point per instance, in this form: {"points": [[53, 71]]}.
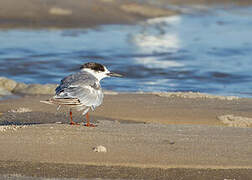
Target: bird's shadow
{"points": [[36, 117]]}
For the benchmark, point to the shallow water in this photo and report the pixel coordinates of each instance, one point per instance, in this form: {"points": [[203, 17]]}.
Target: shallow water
{"points": [[204, 50]]}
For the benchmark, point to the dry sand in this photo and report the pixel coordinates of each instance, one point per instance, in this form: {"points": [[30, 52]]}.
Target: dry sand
{"points": [[146, 136], [147, 108]]}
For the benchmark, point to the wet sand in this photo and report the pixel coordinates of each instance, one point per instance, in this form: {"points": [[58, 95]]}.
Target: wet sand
{"points": [[74, 14], [87, 13], [147, 136], [36, 171]]}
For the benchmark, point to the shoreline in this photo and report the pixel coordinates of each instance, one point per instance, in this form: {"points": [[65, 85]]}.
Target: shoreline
{"points": [[9, 87], [142, 107]]}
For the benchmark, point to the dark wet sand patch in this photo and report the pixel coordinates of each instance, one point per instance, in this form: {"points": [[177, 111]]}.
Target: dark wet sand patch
{"points": [[54, 170]]}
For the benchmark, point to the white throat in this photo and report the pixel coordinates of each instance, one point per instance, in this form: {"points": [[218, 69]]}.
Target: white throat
{"points": [[99, 75]]}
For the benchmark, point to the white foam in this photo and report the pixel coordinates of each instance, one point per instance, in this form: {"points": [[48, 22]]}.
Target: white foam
{"points": [[235, 121], [152, 62], [192, 95]]}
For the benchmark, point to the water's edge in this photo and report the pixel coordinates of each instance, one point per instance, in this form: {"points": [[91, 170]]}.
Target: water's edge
{"points": [[204, 50]]}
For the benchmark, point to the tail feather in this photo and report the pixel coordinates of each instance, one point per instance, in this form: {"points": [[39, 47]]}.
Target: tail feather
{"points": [[46, 102], [62, 101]]}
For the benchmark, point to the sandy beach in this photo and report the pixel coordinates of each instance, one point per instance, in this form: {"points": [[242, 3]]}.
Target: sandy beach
{"points": [[142, 108], [147, 136], [180, 135]]}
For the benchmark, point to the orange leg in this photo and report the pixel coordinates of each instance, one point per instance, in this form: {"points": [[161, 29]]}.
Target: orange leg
{"points": [[71, 119], [88, 124]]}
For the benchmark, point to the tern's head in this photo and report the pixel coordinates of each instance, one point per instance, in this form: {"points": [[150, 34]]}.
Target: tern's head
{"points": [[98, 70]]}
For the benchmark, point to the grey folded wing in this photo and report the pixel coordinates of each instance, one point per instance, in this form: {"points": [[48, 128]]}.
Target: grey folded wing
{"points": [[77, 79], [81, 86]]}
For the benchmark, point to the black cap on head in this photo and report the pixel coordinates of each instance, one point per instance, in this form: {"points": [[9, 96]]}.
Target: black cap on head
{"points": [[93, 66]]}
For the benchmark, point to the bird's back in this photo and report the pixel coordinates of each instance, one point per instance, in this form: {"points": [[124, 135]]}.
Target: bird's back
{"points": [[82, 86]]}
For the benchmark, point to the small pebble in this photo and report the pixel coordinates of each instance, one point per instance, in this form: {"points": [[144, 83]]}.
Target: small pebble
{"points": [[100, 148]]}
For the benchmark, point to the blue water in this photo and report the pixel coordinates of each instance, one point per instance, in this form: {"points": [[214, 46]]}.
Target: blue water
{"points": [[204, 50]]}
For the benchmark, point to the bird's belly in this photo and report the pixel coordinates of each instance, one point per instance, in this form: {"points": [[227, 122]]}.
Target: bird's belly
{"points": [[94, 99], [99, 98]]}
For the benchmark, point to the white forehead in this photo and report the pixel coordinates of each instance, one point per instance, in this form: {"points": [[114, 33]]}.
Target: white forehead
{"points": [[98, 74], [106, 70]]}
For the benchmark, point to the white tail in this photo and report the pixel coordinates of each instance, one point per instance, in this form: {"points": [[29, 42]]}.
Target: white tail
{"points": [[47, 102], [62, 101]]}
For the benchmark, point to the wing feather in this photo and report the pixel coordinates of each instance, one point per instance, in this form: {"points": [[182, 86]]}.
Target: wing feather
{"points": [[81, 86]]}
